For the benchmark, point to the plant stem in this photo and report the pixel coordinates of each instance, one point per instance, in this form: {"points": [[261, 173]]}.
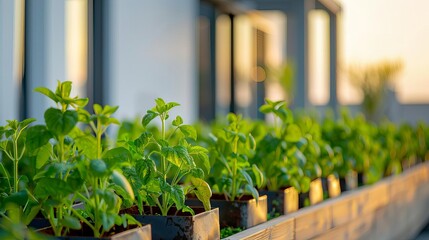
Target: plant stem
{"points": [[61, 150], [76, 213], [7, 176], [163, 138], [234, 170], [15, 165], [98, 134]]}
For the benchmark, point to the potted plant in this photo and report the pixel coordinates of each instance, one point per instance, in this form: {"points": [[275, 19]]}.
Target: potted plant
{"points": [[17, 201], [281, 161], [321, 160], [77, 168], [233, 177], [166, 167], [340, 135]]}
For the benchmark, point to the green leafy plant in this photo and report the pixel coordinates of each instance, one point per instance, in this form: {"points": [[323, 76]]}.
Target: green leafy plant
{"points": [[16, 199], [229, 231], [373, 81], [12, 227], [58, 179], [230, 149], [278, 154], [77, 167], [163, 159]]}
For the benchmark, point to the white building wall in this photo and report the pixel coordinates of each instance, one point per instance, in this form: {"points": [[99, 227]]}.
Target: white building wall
{"points": [[45, 52], [8, 82], [152, 53]]}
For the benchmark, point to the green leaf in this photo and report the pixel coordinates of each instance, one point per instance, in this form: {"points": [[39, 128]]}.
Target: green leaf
{"points": [[197, 173], [98, 109], [52, 187], [159, 102], [121, 181], [48, 93], [85, 143], [179, 156], [81, 102], [143, 140], [108, 220], [178, 121], [242, 137], [153, 186], [150, 115], [66, 89], [109, 110], [163, 108], [265, 109], [18, 198], [189, 131], [24, 123], [252, 142], [98, 168], [293, 133], [201, 158], [247, 177], [202, 191], [188, 209], [259, 176], [60, 123], [116, 157], [71, 222], [43, 155], [302, 160], [295, 183], [305, 184], [37, 136], [178, 196], [252, 191]]}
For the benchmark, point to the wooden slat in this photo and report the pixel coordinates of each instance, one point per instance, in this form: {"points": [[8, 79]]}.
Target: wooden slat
{"points": [[313, 223], [394, 208]]}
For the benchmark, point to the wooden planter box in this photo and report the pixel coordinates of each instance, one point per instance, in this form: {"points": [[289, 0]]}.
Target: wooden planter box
{"points": [[143, 233], [203, 225], [393, 208], [283, 201]]}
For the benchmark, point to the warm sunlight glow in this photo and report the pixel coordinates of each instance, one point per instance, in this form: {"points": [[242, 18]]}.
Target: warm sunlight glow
{"points": [[76, 41], [318, 85], [389, 29], [223, 63], [18, 48]]}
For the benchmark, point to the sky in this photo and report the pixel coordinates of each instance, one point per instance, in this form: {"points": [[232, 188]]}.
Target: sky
{"points": [[375, 30]]}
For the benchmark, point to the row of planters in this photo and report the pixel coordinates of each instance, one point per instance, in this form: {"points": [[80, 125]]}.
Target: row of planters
{"points": [[67, 178]]}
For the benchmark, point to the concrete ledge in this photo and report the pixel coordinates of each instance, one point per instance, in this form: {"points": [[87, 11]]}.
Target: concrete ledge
{"points": [[394, 208]]}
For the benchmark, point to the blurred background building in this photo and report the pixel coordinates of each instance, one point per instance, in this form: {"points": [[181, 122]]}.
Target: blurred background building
{"points": [[212, 56]]}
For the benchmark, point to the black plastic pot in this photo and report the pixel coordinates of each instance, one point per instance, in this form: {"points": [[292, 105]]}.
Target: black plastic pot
{"points": [[283, 201], [40, 221], [178, 225], [243, 213], [360, 179], [85, 233], [304, 199]]}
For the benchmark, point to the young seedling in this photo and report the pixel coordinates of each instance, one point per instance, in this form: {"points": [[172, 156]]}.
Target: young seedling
{"points": [[163, 161], [230, 150]]}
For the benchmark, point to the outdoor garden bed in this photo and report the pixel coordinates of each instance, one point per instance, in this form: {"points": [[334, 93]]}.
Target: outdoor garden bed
{"points": [[393, 208]]}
